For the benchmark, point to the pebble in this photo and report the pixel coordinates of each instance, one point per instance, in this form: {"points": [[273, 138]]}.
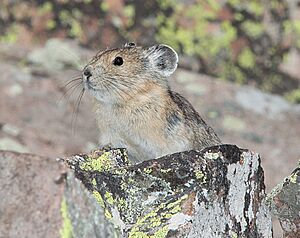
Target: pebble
{"points": [[10, 130], [12, 145]]}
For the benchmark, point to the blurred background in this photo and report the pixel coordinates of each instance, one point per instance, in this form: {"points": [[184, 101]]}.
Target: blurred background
{"points": [[239, 66]]}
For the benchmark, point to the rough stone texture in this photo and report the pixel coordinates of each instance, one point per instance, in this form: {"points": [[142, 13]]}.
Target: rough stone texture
{"points": [[170, 196], [284, 202], [86, 218], [30, 197]]}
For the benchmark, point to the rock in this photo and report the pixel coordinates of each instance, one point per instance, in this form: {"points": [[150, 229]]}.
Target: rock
{"points": [[233, 123], [15, 90], [284, 202], [184, 76], [10, 130], [14, 73], [12, 145], [170, 196], [291, 64], [271, 106], [30, 198], [55, 55], [195, 88], [89, 146]]}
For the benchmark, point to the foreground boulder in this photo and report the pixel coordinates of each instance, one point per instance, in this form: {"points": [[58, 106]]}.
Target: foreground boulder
{"points": [[216, 192]]}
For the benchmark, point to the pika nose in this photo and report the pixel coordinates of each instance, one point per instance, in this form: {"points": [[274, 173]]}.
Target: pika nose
{"points": [[87, 72]]}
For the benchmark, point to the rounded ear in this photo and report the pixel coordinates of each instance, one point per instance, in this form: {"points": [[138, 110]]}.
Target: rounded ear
{"points": [[163, 59]]}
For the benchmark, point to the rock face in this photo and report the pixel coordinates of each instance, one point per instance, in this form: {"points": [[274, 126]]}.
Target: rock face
{"points": [[216, 192], [30, 197], [284, 202], [170, 196]]}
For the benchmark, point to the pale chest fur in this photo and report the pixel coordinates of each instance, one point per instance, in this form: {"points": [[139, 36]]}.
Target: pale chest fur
{"points": [[143, 131]]}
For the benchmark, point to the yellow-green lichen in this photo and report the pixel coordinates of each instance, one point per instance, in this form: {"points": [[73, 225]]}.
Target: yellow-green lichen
{"points": [[94, 182], [102, 163], [47, 7], [11, 34], [138, 234], [154, 219], [108, 198], [99, 198], [161, 233], [148, 170], [165, 170], [107, 214], [208, 155], [200, 176], [293, 96], [121, 204], [293, 178], [233, 235], [67, 230], [247, 58], [253, 29]]}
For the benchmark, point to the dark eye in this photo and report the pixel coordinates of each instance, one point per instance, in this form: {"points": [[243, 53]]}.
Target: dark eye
{"points": [[118, 61]]}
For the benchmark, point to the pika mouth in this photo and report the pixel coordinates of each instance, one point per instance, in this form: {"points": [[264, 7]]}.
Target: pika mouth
{"points": [[89, 86]]}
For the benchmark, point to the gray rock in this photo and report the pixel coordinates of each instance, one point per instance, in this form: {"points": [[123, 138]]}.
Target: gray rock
{"points": [[195, 88], [12, 145], [271, 106], [55, 55], [15, 90], [10, 130], [233, 123]]}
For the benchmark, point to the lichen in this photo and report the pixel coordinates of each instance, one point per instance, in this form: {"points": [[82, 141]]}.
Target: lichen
{"points": [[107, 214], [100, 164], [147, 170], [67, 230], [200, 176], [154, 219], [99, 198], [108, 197], [209, 155], [246, 59], [293, 96], [293, 178]]}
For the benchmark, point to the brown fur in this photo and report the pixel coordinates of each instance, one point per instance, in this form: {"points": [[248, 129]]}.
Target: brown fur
{"points": [[135, 108]]}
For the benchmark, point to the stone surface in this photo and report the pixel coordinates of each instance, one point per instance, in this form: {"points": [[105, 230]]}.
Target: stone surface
{"points": [[284, 202], [55, 55], [234, 123], [272, 106], [12, 145], [170, 196], [30, 197]]}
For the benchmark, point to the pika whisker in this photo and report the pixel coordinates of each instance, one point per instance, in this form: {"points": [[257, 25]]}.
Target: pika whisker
{"points": [[76, 111]]}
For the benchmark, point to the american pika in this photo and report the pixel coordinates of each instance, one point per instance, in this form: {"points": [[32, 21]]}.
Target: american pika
{"points": [[135, 108]]}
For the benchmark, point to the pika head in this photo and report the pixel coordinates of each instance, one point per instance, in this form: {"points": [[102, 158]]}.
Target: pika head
{"points": [[116, 74]]}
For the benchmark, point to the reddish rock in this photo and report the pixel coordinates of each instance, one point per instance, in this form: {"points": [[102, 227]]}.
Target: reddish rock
{"points": [[30, 196]]}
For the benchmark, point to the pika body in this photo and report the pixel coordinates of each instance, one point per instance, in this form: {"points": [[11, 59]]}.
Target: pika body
{"points": [[135, 107]]}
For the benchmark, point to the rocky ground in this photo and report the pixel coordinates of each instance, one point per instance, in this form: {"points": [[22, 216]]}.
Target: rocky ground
{"points": [[36, 117]]}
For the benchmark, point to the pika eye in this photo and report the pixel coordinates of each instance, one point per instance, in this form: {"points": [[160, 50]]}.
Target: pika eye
{"points": [[118, 61]]}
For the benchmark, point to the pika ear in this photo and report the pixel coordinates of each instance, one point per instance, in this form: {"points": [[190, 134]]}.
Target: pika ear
{"points": [[163, 59]]}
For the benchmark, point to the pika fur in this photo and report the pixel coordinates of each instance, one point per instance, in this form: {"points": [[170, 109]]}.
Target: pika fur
{"points": [[135, 108]]}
